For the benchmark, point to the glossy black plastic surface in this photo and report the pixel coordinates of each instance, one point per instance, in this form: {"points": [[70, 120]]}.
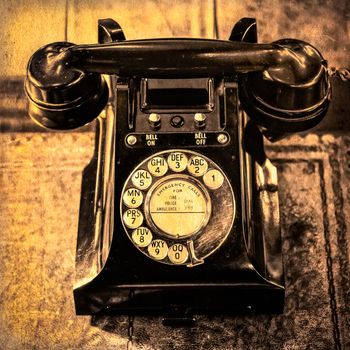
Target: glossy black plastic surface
{"points": [[284, 84], [61, 97], [279, 105], [283, 87], [235, 278]]}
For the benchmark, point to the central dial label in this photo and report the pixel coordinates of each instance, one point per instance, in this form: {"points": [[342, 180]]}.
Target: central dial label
{"points": [[178, 206]]}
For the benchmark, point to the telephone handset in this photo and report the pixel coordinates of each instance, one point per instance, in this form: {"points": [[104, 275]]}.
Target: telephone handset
{"points": [[182, 169], [285, 84]]}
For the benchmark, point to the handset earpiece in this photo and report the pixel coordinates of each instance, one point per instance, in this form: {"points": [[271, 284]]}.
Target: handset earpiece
{"points": [[284, 85], [60, 96], [290, 96]]}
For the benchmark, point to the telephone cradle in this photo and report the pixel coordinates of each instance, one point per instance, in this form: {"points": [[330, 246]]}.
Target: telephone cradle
{"points": [[179, 211]]}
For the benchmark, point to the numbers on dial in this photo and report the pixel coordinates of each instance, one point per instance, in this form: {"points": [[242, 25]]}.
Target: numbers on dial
{"points": [[133, 218], [157, 166], [197, 166], [158, 249], [141, 179], [133, 198], [142, 236], [213, 179], [177, 161], [178, 253]]}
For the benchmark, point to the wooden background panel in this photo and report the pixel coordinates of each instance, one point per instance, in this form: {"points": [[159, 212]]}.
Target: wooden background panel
{"points": [[25, 26], [29, 24], [324, 24], [141, 19]]}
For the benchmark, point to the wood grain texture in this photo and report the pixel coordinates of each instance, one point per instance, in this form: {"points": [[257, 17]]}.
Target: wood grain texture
{"points": [[40, 178], [141, 19]]}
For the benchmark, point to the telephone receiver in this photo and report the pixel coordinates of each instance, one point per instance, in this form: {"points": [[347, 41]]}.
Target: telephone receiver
{"points": [[284, 86]]}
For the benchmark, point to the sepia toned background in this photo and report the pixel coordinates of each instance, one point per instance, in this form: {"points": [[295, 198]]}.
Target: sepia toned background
{"points": [[29, 24], [40, 179]]}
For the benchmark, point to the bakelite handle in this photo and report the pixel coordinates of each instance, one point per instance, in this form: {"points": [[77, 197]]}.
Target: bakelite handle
{"points": [[292, 62]]}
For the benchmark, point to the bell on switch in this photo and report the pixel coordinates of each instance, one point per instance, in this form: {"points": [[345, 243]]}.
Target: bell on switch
{"points": [[154, 120], [199, 120]]}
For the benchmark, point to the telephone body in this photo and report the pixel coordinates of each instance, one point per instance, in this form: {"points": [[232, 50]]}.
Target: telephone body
{"points": [[180, 215]]}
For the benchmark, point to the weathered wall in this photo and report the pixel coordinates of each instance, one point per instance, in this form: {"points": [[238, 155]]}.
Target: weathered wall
{"points": [[28, 24]]}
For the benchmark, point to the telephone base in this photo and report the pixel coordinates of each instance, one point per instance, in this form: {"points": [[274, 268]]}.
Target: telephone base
{"points": [[244, 274], [181, 303]]}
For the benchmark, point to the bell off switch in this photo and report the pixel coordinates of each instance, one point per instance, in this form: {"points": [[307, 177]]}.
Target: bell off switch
{"points": [[199, 120]]}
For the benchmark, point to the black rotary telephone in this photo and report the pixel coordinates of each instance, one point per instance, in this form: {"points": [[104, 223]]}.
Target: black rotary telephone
{"points": [[181, 215]]}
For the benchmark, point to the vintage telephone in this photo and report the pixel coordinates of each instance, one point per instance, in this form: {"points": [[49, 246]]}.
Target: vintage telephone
{"points": [[181, 215]]}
